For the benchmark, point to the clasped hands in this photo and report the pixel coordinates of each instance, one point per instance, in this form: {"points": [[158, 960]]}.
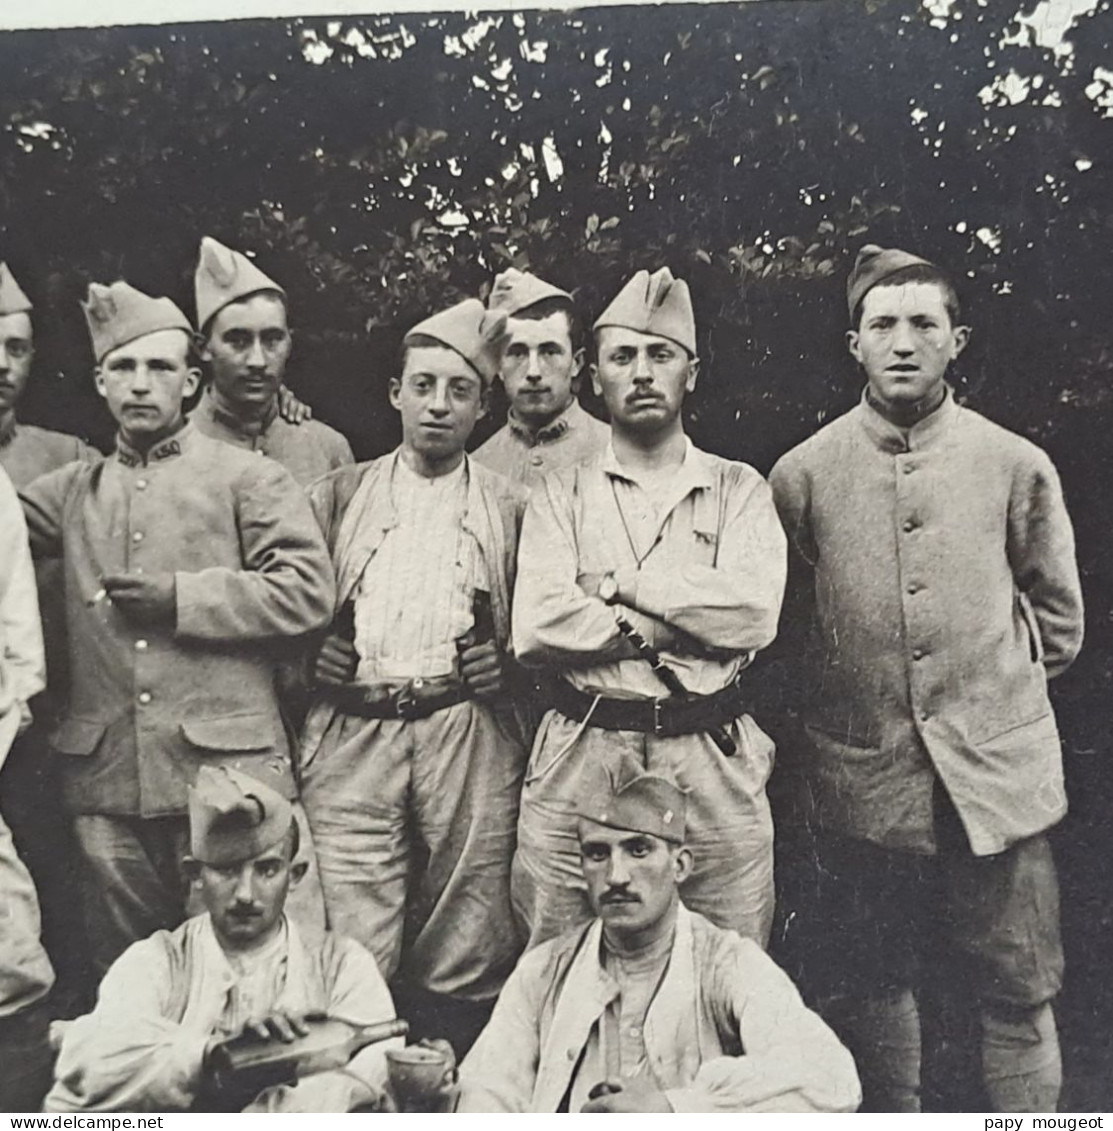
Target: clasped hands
{"points": [[481, 666]]}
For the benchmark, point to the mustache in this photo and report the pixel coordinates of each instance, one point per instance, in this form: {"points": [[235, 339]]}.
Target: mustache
{"points": [[618, 895]]}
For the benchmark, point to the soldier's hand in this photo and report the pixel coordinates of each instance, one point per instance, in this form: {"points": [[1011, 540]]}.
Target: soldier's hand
{"points": [[279, 1025], [144, 598], [481, 670], [337, 661], [291, 409], [625, 1096]]}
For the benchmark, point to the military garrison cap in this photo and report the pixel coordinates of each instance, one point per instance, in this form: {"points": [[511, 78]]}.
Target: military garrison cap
{"points": [[225, 276], [233, 816], [622, 795], [654, 304], [515, 291], [475, 333], [12, 298], [118, 314], [873, 265]]}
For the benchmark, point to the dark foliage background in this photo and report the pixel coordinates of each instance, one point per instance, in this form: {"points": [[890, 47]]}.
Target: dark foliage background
{"points": [[382, 165]]}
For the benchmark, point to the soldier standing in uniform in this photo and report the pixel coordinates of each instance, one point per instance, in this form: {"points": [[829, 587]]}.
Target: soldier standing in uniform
{"points": [[188, 564], [25, 972], [412, 763], [241, 314], [947, 594], [29, 789], [653, 550], [545, 428], [26, 451]]}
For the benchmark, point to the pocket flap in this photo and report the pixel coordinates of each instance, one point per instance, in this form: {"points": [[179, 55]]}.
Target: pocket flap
{"points": [[78, 736], [230, 732]]}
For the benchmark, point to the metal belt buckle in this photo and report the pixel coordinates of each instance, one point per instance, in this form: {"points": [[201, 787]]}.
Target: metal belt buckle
{"points": [[657, 717], [405, 702]]}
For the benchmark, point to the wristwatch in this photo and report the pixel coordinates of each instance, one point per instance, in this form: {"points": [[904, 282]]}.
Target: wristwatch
{"points": [[608, 589]]}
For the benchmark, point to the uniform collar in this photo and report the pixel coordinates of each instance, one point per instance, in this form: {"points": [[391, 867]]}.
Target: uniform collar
{"points": [[7, 429], [168, 448], [547, 433], [891, 438], [248, 429]]}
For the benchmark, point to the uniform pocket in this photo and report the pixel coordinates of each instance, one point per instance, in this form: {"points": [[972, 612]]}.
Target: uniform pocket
{"points": [[230, 732], [79, 737]]}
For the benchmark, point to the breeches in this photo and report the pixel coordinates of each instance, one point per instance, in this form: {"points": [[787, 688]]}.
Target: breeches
{"points": [[134, 884], [414, 827], [729, 827]]}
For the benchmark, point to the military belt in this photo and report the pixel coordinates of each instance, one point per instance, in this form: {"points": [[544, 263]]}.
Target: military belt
{"points": [[416, 699], [666, 717]]}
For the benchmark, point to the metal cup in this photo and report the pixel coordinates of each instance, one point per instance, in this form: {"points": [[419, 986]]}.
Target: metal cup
{"points": [[421, 1078]]}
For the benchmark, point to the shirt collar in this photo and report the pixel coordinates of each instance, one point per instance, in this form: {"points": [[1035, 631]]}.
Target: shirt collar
{"points": [[165, 449], [547, 433], [694, 473], [224, 416], [892, 438], [7, 429]]}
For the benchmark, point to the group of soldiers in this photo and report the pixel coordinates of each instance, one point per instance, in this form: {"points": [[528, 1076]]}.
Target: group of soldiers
{"points": [[478, 726]]}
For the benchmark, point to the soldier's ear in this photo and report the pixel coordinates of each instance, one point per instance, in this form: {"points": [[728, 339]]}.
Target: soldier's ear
{"points": [[192, 382], [395, 392], [684, 863], [578, 368], [596, 384], [191, 869], [961, 339], [693, 373], [853, 346], [297, 872], [98, 381]]}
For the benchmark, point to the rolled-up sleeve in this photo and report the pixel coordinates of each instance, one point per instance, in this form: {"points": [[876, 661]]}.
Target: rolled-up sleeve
{"points": [[554, 620], [734, 604]]}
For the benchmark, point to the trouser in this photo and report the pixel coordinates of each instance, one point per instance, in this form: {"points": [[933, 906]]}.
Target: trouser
{"points": [[879, 914], [134, 884], [729, 827], [26, 1061], [31, 800], [414, 826]]}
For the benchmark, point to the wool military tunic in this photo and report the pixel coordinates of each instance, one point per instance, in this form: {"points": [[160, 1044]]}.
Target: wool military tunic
{"points": [[947, 593], [525, 456], [148, 705], [307, 450], [27, 451]]}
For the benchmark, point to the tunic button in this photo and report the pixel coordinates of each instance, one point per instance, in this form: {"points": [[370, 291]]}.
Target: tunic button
{"points": [[141, 484], [144, 697], [909, 468], [913, 588], [141, 645], [137, 536], [917, 654], [924, 716], [537, 461], [909, 526]]}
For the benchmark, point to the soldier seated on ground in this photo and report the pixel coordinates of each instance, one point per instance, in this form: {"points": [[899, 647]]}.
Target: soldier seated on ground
{"points": [[239, 968], [649, 1007]]}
